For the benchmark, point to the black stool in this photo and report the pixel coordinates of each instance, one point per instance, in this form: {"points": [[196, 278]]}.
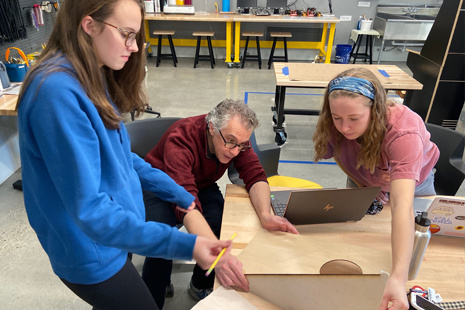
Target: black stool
{"points": [[208, 35], [368, 45], [277, 35], [258, 56], [160, 34]]}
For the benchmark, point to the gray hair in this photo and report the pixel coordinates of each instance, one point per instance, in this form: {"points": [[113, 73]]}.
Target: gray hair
{"points": [[229, 108]]}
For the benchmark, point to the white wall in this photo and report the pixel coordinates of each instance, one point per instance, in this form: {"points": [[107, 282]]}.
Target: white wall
{"points": [[343, 29]]}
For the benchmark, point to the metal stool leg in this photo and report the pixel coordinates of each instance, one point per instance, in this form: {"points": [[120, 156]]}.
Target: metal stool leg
{"points": [[352, 50], [196, 59], [272, 53], [285, 49], [210, 46], [245, 52], [159, 49], [357, 43], [210, 49], [360, 37], [173, 53], [367, 38], [380, 51], [371, 49], [258, 53]]}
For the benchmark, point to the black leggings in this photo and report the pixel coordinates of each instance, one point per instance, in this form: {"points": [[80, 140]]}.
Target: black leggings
{"points": [[125, 290], [157, 271]]}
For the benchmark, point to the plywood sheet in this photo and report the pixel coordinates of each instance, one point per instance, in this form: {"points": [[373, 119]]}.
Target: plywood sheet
{"points": [[284, 253], [299, 292], [226, 299], [317, 72]]}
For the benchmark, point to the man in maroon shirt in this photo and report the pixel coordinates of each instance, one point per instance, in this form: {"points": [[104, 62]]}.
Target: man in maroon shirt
{"points": [[196, 152]]}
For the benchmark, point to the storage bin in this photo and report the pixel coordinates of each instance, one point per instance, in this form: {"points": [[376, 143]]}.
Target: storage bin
{"points": [[366, 25], [16, 72], [343, 53]]}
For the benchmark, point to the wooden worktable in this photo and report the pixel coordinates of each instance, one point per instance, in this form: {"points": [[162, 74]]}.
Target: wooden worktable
{"points": [[318, 76], [199, 16], [8, 104], [224, 17], [250, 18], [324, 46], [398, 79], [443, 266], [230, 18]]}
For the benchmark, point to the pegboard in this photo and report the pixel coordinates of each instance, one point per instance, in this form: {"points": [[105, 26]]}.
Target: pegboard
{"points": [[35, 38]]}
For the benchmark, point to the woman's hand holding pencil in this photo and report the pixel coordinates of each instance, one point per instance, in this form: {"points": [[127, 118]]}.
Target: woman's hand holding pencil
{"points": [[230, 271], [206, 251], [218, 258]]}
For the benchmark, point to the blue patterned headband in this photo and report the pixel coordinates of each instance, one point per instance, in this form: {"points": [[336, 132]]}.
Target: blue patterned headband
{"points": [[353, 84]]}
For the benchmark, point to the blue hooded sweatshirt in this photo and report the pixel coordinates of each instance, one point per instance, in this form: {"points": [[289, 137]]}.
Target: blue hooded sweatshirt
{"points": [[83, 186]]}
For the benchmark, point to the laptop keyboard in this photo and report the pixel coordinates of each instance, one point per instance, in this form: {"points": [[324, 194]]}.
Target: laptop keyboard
{"points": [[278, 206]]}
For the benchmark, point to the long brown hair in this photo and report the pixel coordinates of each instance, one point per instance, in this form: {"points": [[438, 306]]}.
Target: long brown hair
{"points": [[69, 39], [372, 139]]}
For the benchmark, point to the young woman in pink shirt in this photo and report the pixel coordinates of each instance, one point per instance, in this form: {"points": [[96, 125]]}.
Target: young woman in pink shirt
{"points": [[378, 143]]}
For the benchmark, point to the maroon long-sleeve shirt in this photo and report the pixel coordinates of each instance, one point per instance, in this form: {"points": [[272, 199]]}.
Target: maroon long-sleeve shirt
{"points": [[183, 154]]}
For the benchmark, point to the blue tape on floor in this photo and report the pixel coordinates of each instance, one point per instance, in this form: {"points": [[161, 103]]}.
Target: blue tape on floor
{"points": [[306, 162], [246, 95]]}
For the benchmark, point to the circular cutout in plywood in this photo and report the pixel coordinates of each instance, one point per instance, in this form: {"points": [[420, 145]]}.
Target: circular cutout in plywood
{"points": [[340, 266]]}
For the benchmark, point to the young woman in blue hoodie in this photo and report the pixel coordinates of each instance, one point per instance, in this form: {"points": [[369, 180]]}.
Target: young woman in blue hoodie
{"points": [[82, 185]]}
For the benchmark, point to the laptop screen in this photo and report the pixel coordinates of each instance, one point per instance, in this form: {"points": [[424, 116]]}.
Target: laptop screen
{"points": [[316, 206]]}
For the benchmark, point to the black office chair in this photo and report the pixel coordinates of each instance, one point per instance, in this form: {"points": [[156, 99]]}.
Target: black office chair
{"points": [[268, 155], [450, 168], [144, 135], [148, 109]]}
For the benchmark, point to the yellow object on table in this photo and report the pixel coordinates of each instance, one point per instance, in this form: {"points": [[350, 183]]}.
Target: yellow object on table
{"points": [[285, 181]]}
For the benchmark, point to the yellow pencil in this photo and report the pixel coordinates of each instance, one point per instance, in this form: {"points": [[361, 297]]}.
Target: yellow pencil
{"points": [[218, 258]]}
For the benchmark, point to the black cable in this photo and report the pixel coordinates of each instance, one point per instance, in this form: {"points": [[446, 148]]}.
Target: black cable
{"points": [[292, 4], [22, 30], [330, 7]]}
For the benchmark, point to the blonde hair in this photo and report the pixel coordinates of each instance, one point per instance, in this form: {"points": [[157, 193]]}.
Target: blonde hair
{"points": [[68, 39], [371, 140]]}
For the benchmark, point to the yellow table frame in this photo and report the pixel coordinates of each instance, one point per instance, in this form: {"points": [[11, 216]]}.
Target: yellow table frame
{"points": [[229, 19], [309, 45]]}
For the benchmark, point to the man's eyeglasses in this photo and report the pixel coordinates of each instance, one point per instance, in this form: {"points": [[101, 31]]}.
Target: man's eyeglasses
{"points": [[130, 36], [230, 145]]}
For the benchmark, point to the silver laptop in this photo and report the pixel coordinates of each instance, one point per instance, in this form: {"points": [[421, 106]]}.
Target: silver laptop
{"points": [[315, 206]]}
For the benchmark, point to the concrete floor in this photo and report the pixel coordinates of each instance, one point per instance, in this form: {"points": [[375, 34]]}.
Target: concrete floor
{"points": [[26, 278]]}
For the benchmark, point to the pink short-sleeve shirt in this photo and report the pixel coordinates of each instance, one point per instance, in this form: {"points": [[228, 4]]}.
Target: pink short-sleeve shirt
{"points": [[407, 152]]}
